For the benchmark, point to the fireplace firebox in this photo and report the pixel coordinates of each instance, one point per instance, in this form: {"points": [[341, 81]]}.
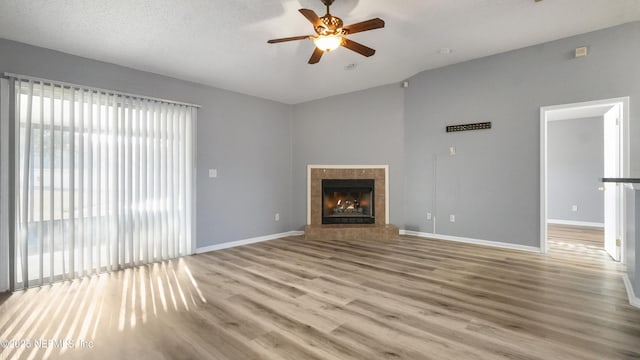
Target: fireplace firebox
{"points": [[348, 201]]}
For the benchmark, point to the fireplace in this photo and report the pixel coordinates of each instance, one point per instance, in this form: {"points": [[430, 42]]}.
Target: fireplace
{"points": [[348, 201], [368, 185]]}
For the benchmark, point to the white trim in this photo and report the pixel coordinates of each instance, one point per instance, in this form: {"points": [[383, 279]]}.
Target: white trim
{"points": [[309, 167], [386, 184], [231, 244], [465, 240], [633, 299], [575, 223], [4, 191], [543, 179], [625, 154]]}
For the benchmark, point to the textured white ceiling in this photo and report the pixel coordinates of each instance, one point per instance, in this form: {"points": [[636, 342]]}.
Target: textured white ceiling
{"points": [[223, 43]]}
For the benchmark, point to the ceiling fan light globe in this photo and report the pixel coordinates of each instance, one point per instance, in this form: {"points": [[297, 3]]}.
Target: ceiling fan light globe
{"points": [[328, 43]]}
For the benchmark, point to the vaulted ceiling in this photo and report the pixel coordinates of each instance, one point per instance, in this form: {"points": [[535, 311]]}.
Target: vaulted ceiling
{"points": [[223, 43]]}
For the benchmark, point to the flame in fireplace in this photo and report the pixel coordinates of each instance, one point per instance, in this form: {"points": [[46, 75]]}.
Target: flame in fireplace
{"points": [[347, 205]]}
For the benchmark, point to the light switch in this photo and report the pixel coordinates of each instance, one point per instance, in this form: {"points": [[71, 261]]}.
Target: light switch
{"points": [[213, 173]]}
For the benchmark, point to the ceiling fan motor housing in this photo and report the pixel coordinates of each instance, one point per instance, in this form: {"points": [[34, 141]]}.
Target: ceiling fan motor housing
{"points": [[331, 25]]}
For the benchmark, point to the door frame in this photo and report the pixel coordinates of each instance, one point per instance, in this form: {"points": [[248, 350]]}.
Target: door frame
{"points": [[624, 158]]}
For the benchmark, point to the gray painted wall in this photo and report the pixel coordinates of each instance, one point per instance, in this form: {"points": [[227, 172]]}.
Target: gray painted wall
{"points": [[493, 184], [636, 243], [575, 164], [246, 138], [632, 249], [361, 128]]}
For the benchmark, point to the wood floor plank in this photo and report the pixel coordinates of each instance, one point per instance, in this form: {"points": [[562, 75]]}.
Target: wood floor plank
{"points": [[292, 298]]}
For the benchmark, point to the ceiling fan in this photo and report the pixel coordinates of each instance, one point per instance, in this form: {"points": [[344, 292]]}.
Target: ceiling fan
{"points": [[331, 33]]}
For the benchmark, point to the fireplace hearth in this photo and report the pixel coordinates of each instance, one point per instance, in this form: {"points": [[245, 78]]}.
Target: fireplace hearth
{"points": [[348, 201]]}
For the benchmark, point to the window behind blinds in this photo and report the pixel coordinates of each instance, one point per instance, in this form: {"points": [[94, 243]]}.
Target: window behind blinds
{"points": [[103, 181]]}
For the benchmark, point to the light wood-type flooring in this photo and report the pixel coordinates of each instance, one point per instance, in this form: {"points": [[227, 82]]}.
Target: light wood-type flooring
{"points": [[297, 299]]}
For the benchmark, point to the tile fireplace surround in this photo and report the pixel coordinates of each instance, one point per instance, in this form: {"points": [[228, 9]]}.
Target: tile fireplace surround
{"points": [[381, 230]]}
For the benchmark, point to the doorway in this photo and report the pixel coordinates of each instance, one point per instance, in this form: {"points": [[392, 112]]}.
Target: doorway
{"points": [[614, 114]]}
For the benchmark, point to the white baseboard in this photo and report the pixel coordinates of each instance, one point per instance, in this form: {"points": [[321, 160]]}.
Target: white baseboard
{"points": [[231, 244], [497, 244], [633, 299], [575, 223]]}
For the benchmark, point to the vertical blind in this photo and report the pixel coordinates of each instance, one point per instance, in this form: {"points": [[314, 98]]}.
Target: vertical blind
{"points": [[104, 180]]}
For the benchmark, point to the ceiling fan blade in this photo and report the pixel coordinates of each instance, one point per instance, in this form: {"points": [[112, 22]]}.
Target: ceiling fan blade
{"points": [[357, 47], [303, 37], [315, 57], [311, 16], [367, 25]]}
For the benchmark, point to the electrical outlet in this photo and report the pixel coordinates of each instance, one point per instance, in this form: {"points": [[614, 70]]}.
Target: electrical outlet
{"points": [[574, 208], [428, 216], [213, 173], [277, 217], [452, 218], [452, 150]]}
